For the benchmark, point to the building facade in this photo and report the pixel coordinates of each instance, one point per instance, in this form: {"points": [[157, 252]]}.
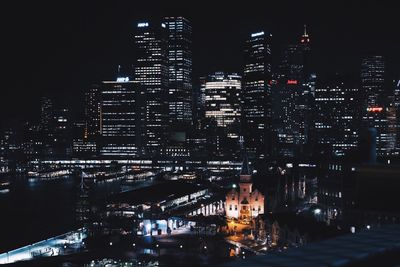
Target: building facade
{"points": [[151, 72], [256, 96], [377, 111], [222, 98], [293, 94], [244, 202], [122, 118], [179, 56], [92, 113], [337, 117]]}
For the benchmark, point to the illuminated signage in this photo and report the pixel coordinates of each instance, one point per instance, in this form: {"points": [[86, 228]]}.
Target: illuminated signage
{"points": [[292, 82], [123, 79], [375, 109], [257, 34], [142, 24]]}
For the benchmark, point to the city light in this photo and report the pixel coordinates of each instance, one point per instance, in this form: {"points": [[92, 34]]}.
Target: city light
{"points": [[286, 151], [122, 79], [375, 109], [143, 24], [257, 34]]}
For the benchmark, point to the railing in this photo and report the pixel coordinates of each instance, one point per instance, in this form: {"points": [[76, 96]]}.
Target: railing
{"points": [[49, 246]]}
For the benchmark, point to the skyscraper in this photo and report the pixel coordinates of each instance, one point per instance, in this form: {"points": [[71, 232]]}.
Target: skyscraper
{"points": [[256, 96], [373, 80], [61, 132], [396, 106], [293, 92], [305, 43], [222, 98], [179, 55], [337, 119], [151, 71], [46, 113], [92, 112], [122, 118], [377, 112], [223, 113]]}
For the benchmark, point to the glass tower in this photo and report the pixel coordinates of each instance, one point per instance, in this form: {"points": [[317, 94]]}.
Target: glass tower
{"points": [[256, 96], [179, 55], [151, 71]]}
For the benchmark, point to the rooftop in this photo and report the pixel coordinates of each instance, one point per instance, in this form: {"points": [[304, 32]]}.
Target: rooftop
{"points": [[360, 249], [157, 193]]}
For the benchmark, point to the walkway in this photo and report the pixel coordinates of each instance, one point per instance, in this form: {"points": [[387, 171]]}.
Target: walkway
{"points": [[64, 244]]}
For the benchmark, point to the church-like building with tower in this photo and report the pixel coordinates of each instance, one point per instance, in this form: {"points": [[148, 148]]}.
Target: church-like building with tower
{"points": [[243, 202]]}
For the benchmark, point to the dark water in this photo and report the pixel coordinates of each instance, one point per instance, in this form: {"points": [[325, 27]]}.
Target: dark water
{"points": [[33, 211]]}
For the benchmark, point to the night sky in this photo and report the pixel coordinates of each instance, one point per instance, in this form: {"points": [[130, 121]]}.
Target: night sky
{"points": [[58, 48]]}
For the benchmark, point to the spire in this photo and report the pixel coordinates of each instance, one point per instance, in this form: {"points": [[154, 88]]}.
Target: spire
{"points": [[82, 184], [119, 71], [305, 34], [245, 172], [305, 38], [245, 165]]}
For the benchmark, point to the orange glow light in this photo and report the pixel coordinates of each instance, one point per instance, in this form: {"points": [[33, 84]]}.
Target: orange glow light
{"points": [[375, 109]]}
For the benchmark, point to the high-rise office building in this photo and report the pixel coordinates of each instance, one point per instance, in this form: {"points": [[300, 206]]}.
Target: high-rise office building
{"points": [[293, 93], [337, 116], [151, 71], [373, 80], [256, 96], [378, 114], [46, 113], [61, 133], [396, 106], [222, 114], [222, 98], [122, 118], [198, 100], [92, 113], [305, 43], [179, 55]]}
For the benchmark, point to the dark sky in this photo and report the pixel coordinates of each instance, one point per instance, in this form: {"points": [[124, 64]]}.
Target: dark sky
{"points": [[58, 48]]}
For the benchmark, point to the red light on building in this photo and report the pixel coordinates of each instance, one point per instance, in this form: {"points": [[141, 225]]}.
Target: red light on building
{"points": [[292, 82], [375, 109]]}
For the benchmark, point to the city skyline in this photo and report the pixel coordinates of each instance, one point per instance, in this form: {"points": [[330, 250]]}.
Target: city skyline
{"points": [[79, 55], [163, 133]]}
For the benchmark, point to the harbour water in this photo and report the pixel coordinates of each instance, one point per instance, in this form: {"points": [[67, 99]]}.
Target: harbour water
{"points": [[36, 210]]}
